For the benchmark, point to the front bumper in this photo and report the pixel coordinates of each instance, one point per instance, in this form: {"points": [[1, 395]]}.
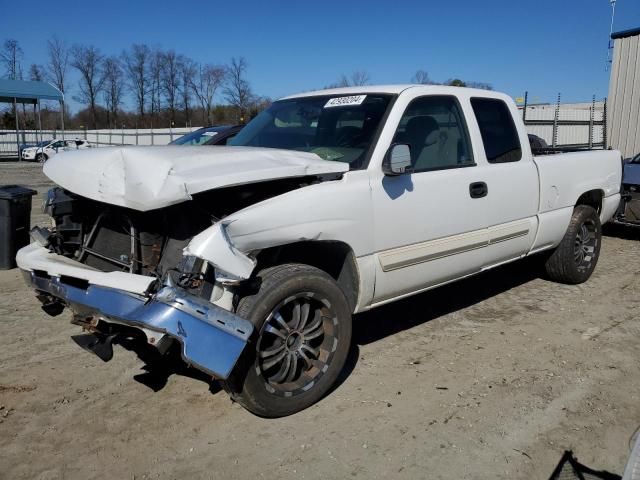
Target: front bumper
{"points": [[212, 339]]}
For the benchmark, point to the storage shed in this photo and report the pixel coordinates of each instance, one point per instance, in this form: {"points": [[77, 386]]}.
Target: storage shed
{"points": [[623, 106]]}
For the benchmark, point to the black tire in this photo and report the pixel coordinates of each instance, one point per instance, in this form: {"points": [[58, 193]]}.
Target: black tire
{"points": [[41, 157], [574, 260], [313, 346]]}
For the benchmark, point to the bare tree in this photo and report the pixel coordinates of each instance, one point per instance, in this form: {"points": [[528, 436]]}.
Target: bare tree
{"points": [[58, 62], [11, 58], [357, 79], [36, 73], [238, 91], [136, 65], [170, 81], [343, 81], [113, 88], [480, 85], [422, 77], [360, 78], [187, 73], [207, 80], [155, 75], [88, 60]]}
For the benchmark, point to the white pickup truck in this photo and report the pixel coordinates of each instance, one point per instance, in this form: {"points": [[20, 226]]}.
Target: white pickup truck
{"points": [[250, 259]]}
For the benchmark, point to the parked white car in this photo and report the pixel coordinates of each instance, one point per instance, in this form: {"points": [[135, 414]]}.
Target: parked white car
{"points": [[48, 148], [253, 257]]}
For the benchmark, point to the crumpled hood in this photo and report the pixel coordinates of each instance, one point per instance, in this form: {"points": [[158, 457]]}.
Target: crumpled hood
{"points": [[146, 178]]}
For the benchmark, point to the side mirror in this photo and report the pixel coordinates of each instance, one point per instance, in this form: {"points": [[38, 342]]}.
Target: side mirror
{"points": [[397, 161]]}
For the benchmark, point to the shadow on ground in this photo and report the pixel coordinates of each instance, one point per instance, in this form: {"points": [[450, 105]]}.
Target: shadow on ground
{"points": [[404, 314], [621, 231], [569, 468], [377, 324]]}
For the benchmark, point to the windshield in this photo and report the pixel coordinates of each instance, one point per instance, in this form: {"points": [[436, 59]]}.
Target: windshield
{"points": [[43, 144], [338, 128], [199, 137]]}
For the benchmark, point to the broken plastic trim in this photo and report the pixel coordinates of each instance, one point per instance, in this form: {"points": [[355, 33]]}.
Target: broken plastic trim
{"points": [[214, 246], [212, 338]]}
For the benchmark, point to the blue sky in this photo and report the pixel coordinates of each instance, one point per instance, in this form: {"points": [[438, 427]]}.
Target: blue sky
{"points": [[545, 47]]}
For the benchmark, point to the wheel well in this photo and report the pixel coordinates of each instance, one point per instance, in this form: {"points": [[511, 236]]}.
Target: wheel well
{"points": [[592, 198], [335, 258]]}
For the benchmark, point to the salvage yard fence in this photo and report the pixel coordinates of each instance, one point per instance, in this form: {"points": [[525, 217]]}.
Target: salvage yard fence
{"points": [[98, 138], [568, 125]]}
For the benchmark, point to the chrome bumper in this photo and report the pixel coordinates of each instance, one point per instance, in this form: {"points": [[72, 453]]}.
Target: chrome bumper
{"points": [[212, 338]]}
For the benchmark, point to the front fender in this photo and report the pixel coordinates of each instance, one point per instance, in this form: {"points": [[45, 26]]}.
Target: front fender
{"points": [[337, 210]]}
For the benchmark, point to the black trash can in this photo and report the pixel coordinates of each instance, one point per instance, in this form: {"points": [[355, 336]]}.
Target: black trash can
{"points": [[15, 222]]}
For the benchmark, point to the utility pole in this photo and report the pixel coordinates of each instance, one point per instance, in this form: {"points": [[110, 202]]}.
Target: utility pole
{"points": [[610, 49]]}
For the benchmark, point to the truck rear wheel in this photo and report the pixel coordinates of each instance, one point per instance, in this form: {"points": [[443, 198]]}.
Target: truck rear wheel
{"points": [[303, 324], [575, 259]]}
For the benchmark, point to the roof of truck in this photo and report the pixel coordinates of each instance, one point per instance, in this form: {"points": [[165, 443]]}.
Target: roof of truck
{"points": [[389, 89]]}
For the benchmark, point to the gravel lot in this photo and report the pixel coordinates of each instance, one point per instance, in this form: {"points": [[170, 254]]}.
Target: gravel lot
{"points": [[493, 377]]}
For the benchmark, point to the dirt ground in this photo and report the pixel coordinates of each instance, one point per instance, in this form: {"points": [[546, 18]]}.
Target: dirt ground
{"points": [[493, 377]]}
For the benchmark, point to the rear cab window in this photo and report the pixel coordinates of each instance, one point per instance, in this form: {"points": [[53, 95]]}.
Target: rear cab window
{"points": [[498, 130]]}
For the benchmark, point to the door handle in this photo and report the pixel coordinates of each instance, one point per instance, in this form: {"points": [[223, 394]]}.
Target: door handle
{"points": [[478, 190]]}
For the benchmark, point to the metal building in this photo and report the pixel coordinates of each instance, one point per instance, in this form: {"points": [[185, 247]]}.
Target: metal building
{"points": [[623, 106]]}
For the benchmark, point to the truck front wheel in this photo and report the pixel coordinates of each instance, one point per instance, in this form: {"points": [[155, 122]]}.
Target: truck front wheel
{"points": [[303, 324], [574, 260]]}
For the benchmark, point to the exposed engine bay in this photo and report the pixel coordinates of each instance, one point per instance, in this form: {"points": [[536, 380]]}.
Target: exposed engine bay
{"points": [[111, 238]]}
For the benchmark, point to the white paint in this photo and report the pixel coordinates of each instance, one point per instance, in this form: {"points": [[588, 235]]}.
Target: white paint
{"points": [[432, 250], [566, 176], [35, 257], [213, 244], [409, 233], [609, 207], [146, 178]]}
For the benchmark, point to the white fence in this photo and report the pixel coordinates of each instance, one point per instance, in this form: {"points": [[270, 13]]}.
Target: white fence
{"points": [[99, 138], [568, 124]]}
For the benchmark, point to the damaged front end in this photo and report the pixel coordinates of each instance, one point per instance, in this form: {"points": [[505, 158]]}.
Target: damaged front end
{"points": [[128, 252], [211, 338], [125, 274]]}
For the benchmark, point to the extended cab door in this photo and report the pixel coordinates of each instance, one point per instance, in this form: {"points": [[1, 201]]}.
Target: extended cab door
{"points": [[511, 178], [430, 225]]}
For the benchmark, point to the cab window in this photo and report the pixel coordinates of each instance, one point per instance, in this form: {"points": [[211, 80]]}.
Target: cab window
{"points": [[499, 134], [435, 130]]}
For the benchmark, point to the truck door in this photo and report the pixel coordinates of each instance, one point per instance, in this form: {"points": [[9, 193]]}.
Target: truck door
{"points": [[430, 224], [511, 178]]}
